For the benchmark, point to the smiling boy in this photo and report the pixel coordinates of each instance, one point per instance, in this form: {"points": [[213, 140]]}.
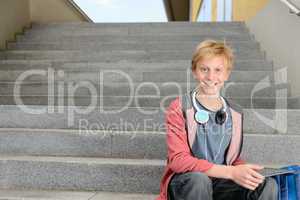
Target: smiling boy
{"points": [[204, 138]]}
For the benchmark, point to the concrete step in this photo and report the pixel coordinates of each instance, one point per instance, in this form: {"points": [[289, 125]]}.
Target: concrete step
{"points": [[151, 101], [78, 173], [86, 174], [265, 148], [127, 118], [241, 65], [182, 24], [115, 55], [146, 75], [137, 24], [40, 38], [169, 89], [70, 195], [79, 45], [142, 30]]}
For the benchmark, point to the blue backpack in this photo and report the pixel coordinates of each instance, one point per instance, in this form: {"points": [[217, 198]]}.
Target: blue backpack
{"points": [[289, 184]]}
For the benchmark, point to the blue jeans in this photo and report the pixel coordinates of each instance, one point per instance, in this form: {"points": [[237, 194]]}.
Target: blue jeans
{"points": [[198, 186]]}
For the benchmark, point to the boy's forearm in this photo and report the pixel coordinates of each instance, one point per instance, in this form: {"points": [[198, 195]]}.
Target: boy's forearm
{"points": [[220, 171]]}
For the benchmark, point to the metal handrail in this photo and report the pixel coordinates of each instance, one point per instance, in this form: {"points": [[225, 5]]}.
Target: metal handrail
{"points": [[294, 9]]}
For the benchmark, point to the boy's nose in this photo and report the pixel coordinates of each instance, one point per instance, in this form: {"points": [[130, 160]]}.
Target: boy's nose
{"points": [[210, 76]]}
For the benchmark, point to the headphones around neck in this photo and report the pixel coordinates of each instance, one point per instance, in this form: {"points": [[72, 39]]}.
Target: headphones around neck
{"points": [[202, 116]]}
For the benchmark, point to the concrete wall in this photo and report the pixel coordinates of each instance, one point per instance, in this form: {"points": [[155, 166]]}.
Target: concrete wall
{"points": [[195, 6], [246, 9], [177, 10], [278, 31], [17, 14], [14, 15], [242, 10], [54, 11]]}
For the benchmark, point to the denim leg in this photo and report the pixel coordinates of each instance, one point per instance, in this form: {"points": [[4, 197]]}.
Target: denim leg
{"points": [[270, 191], [190, 186]]}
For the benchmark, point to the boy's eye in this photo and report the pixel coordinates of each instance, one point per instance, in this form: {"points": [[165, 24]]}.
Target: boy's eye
{"points": [[203, 69]]}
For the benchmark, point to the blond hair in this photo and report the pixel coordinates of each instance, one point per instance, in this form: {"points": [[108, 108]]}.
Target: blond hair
{"points": [[212, 48]]}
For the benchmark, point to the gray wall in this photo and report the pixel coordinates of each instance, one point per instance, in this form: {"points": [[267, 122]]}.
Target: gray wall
{"points": [[14, 15], [54, 11], [17, 14], [278, 31]]}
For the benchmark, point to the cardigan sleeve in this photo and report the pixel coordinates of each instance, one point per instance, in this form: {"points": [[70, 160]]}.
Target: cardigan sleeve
{"points": [[180, 158]]}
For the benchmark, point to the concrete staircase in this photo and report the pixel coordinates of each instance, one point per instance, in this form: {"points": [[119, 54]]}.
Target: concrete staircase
{"points": [[94, 98]]}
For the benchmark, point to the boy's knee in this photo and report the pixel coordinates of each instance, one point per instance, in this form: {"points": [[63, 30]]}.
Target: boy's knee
{"points": [[190, 185], [199, 179], [271, 185], [270, 191]]}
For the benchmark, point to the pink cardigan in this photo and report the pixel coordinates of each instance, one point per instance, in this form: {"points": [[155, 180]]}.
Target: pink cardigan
{"points": [[180, 158]]}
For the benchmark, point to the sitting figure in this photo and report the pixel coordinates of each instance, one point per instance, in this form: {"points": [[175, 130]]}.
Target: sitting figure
{"points": [[204, 138]]}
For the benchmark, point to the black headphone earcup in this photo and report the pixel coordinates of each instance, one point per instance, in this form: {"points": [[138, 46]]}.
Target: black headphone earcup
{"points": [[220, 117]]}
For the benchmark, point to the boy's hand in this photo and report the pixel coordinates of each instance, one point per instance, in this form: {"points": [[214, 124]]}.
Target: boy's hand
{"points": [[247, 175]]}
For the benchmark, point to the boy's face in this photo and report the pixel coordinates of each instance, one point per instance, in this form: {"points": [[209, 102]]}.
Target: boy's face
{"points": [[211, 73]]}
